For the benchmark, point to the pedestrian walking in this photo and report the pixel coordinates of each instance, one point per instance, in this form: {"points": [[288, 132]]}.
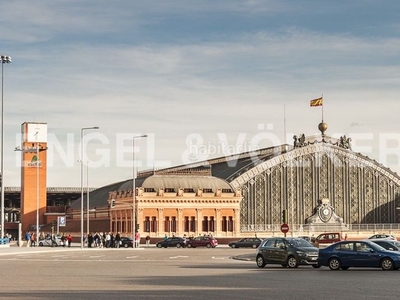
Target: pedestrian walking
{"points": [[69, 240], [28, 238], [137, 239], [117, 240]]}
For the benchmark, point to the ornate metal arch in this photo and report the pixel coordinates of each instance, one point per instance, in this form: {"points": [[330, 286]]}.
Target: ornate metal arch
{"points": [[360, 189]]}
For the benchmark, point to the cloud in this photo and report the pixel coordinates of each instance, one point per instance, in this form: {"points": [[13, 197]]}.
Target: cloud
{"points": [[176, 69]]}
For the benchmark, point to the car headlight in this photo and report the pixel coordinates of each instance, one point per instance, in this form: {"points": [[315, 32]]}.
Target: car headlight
{"points": [[301, 253]]}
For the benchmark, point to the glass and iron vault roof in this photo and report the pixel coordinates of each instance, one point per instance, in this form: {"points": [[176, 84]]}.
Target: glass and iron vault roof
{"points": [[211, 174], [214, 173]]}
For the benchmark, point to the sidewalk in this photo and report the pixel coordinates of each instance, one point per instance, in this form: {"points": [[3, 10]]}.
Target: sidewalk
{"points": [[13, 248]]}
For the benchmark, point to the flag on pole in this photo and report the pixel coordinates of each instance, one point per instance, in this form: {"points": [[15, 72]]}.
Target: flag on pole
{"points": [[316, 102]]}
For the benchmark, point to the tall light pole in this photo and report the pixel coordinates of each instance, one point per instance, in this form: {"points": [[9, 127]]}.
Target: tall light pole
{"points": [[4, 60], [87, 197], [82, 160], [134, 189]]}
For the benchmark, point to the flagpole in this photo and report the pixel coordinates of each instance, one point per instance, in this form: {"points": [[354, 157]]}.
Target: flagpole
{"points": [[322, 96]]}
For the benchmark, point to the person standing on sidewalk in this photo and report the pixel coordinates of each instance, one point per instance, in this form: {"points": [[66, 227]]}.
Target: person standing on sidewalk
{"points": [[33, 240], [69, 240], [63, 240], [28, 238], [117, 240], [148, 241], [137, 239]]}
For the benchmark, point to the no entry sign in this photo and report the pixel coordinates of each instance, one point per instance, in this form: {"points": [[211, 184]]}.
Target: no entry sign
{"points": [[284, 228]]}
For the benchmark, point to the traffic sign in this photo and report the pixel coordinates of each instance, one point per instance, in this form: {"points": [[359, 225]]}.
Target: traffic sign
{"points": [[284, 228], [62, 221]]}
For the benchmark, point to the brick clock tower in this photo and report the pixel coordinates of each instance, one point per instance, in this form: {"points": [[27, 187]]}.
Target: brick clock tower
{"points": [[33, 175]]}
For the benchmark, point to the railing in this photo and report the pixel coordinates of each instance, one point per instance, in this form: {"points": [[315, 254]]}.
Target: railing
{"points": [[320, 227], [56, 209], [374, 227]]}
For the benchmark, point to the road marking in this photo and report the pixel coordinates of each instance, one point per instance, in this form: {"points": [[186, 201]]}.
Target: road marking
{"points": [[218, 257], [179, 256]]}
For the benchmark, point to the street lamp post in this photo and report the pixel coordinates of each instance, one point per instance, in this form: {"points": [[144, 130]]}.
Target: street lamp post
{"points": [[87, 197], [4, 60], [134, 189], [82, 160]]}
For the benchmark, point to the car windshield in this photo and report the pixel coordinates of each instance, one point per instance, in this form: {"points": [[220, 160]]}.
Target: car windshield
{"points": [[299, 243], [377, 247], [396, 243]]}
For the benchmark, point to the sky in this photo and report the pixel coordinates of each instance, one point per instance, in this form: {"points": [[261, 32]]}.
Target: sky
{"points": [[202, 79]]}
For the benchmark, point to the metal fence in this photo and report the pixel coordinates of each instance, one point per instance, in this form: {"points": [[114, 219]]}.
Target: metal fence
{"points": [[299, 228]]}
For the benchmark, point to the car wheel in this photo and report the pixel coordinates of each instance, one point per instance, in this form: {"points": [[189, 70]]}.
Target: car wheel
{"points": [[334, 264], [178, 245], [260, 261], [233, 246], [208, 245], [189, 245], [316, 266], [254, 246], [387, 264], [40, 244], [126, 245], [159, 245], [292, 262]]}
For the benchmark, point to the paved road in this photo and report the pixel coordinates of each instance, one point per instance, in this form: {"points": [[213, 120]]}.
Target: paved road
{"points": [[151, 273]]}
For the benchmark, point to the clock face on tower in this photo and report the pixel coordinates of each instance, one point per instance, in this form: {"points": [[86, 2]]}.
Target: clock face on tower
{"points": [[34, 132]]}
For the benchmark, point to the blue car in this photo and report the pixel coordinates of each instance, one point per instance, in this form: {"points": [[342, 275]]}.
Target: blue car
{"points": [[346, 254]]}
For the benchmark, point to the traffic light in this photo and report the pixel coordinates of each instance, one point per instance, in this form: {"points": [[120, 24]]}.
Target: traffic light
{"points": [[112, 203], [284, 216]]}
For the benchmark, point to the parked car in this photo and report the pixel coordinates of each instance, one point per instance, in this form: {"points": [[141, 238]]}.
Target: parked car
{"points": [[177, 242], [246, 242], [48, 241], [387, 244], [126, 242], [324, 239], [382, 236], [346, 254], [290, 252], [202, 241]]}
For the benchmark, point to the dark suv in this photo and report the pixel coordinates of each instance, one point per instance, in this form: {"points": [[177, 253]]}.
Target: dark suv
{"points": [[290, 252], [177, 242], [246, 242]]}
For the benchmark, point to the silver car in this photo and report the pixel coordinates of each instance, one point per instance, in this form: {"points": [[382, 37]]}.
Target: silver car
{"points": [[382, 236], [387, 244], [48, 241]]}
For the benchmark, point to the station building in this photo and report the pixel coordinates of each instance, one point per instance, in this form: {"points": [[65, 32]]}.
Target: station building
{"points": [[319, 182], [316, 184]]}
